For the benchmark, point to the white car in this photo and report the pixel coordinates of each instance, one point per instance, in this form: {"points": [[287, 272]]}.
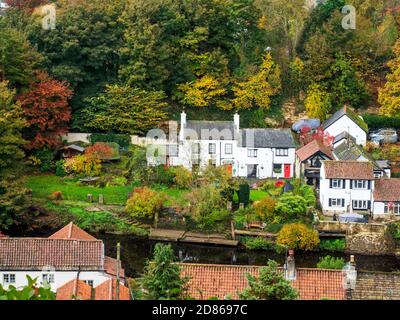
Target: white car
{"points": [[384, 136]]}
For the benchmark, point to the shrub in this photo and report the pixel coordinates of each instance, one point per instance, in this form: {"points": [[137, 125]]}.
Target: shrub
{"points": [[260, 243], [183, 177], [375, 121], [290, 207], [333, 244], [329, 262], [123, 140], [265, 209], [144, 203], [46, 157], [57, 195], [244, 193], [308, 194], [81, 164], [298, 236], [243, 216], [162, 175], [60, 171], [100, 150], [219, 176], [136, 166]]}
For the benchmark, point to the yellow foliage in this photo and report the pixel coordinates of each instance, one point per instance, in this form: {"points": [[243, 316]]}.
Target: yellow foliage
{"points": [[317, 103], [265, 209], [83, 164], [298, 236]]}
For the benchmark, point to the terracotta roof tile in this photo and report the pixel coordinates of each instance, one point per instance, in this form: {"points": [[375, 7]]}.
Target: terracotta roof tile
{"points": [[107, 291], [387, 190], [312, 148], [35, 253], [110, 267], [74, 289], [71, 231], [363, 170], [208, 281]]}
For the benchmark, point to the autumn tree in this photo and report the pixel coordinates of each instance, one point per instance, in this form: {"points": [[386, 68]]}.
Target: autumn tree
{"points": [[389, 95], [27, 5], [122, 109], [317, 103], [47, 111], [258, 89]]}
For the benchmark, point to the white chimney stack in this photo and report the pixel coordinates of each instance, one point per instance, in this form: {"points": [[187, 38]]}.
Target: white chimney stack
{"points": [[236, 121], [183, 126]]}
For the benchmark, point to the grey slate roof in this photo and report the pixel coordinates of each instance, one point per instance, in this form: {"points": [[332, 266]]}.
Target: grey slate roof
{"points": [[345, 111], [344, 135], [348, 151], [75, 147], [216, 129], [267, 138]]}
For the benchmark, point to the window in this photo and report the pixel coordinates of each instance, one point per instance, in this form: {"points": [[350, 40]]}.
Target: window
{"points": [[282, 152], [277, 168], [89, 282], [196, 148], [252, 153], [394, 208], [360, 184], [172, 150], [335, 202], [8, 279], [49, 278], [212, 148], [336, 184], [360, 204], [228, 148]]}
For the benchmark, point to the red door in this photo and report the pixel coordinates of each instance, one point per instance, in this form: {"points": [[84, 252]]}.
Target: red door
{"points": [[286, 171]]}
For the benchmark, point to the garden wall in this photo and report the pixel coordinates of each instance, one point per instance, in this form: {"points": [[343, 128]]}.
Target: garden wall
{"points": [[136, 140]]}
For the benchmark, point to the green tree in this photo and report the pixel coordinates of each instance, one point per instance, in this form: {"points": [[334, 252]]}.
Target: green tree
{"points": [[162, 276], [317, 103], [289, 207], [122, 109], [29, 292], [269, 285]]}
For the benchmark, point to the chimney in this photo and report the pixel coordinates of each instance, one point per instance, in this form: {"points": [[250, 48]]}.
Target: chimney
{"points": [[290, 267], [236, 121], [183, 126]]}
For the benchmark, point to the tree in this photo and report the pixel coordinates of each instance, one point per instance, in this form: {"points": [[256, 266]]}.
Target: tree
{"points": [[13, 201], [389, 95], [258, 89], [47, 111], [162, 277], [27, 5], [124, 109], [298, 236], [269, 285], [144, 203], [29, 292], [317, 103], [289, 207]]}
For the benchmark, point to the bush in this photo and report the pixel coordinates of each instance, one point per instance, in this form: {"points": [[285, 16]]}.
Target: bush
{"points": [[136, 166], [290, 207], [375, 121], [60, 171], [162, 175], [57, 195], [298, 236], [244, 216], [260, 243], [308, 194], [329, 262], [333, 244], [46, 157], [82, 164], [144, 203], [101, 151], [183, 177], [244, 193], [123, 140], [265, 209]]}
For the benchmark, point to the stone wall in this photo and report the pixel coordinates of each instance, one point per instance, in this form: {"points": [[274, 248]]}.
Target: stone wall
{"points": [[377, 286]]}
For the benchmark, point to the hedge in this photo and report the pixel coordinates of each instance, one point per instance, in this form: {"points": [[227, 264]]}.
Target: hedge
{"points": [[376, 121], [123, 140]]}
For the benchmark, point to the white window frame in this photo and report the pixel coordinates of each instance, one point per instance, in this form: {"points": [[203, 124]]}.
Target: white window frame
{"points": [[396, 208], [229, 148], [174, 148], [8, 278], [337, 183], [212, 148], [336, 202], [48, 277], [282, 152], [252, 153], [356, 184], [196, 148], [360, 204], [89, 282]]}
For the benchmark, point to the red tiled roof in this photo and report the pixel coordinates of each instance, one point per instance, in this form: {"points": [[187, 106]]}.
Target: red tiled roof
{"points": [[208, 281], [312, 148], [387, 190], [107, 291], [363, 170], [110, 267], [35, 253], [74, 289], [71, 231]]}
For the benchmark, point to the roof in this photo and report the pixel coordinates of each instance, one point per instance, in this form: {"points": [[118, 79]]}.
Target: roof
{"points": [[344, 135], [107, 291], [267, 138], [75, 289], [387, 190], [312, 148], [383, 164], [62, 254], [349, 151], [351, 114], [75, 147], [207, 280], [110, 267], [71, 231], [363, 170], [204, 129]]}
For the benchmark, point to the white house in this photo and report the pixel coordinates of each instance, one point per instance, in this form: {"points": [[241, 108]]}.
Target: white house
{"points": [[346, 186], [68, 254], [346, 121], [253, 153], [386, 198]]}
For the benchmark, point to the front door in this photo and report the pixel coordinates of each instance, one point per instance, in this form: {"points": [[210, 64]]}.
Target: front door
{"points": [[252, 171], [286, 171]]}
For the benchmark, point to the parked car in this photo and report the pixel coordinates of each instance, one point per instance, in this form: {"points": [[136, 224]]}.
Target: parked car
{"points": [[384, 136], [306, 123]]}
